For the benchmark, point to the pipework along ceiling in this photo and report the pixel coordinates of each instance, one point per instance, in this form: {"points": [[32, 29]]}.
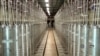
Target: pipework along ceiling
{"points": [[50, 7]]}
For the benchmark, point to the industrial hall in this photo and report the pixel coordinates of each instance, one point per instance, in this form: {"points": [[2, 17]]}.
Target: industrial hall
{"points": [[49, 27]]}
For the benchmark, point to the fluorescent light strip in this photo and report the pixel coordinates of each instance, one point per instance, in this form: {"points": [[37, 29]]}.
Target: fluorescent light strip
{"points": [[85, 39], [46, 0], [7, 41], [48, 11], [22, 40], [47, 5], [94, 40], [16, 29]]}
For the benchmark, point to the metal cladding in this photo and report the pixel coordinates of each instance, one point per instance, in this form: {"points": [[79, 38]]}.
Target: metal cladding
{"points": [[78, 24], [21, 24], [54, 6], [23, 21]]}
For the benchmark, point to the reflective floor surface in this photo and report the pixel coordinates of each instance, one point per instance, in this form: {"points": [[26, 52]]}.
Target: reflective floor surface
{"points": [[51, 49]]}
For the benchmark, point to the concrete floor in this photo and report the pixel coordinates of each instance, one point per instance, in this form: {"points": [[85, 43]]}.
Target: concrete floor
{"points": [[51, 45], [50, 40]]}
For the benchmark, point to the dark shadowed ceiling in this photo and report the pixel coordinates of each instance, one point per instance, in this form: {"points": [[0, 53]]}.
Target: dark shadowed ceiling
{"points": [[53, 6]]}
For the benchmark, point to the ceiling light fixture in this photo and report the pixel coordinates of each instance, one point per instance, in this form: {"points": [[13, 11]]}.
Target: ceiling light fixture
{"points": [[46, 0], [47, 5], [48, 11]]}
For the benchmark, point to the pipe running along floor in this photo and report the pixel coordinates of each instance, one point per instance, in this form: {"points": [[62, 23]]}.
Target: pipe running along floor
{"points": [[51, 49]]}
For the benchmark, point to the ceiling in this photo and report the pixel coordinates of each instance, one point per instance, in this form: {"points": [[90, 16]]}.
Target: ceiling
{"points": [[53, 6]]}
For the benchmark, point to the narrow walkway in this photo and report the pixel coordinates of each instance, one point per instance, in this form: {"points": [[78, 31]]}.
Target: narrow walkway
{"points": [[51, 49], [50, 46]]}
